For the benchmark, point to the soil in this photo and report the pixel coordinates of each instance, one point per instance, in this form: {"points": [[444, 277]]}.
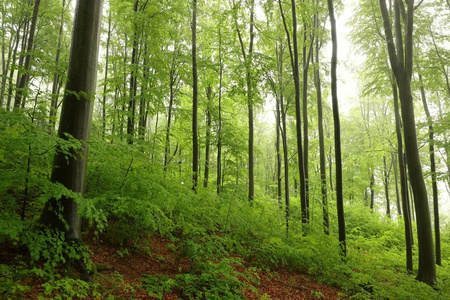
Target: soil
{"points": [[132, 265]]}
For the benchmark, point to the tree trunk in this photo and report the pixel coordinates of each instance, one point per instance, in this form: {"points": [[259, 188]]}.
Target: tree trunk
{"points": [[278, 150], [24, 78], [76, 117], [401, 63], [173, 79], [208, 136], [386, 187], [337, 133], [306, 60], [105, 83], [11, 71], [403, 183], [323, 168], [372, 192], [219, 129], [397, 192], [195, 154], [437, 233], [133, 82]]}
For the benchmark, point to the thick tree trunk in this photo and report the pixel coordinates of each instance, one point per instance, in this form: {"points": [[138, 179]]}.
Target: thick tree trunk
{"points": [[401, 63], [76, 116], [25, 76]]}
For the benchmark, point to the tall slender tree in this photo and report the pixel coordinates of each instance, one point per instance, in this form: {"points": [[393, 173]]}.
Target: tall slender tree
{"points": [[195, 154], [337, 133], [437, 231], [22, 85], [401, 61]]}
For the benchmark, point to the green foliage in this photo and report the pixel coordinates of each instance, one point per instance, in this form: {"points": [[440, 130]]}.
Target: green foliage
{"points": [[209, 280], [69, 288]]}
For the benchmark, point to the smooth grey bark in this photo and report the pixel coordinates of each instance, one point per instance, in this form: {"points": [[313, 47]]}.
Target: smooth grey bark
{"points": [[372, 192], [195, 150], [76, 117], [386, 186], [219, 127], [397, 192], [208, 137], [133, 83], [298, 120], [25, 77], [437, 232], [322, 163], [293, 52], [56, 84], [403, 182], [278, 150], [401, 60], [11, 72], [105, 83], [173, 80], [306, 61], [337, 134], [247, 56]]}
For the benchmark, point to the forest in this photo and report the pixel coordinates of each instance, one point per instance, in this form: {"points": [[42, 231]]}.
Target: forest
{"points": [[225, 149]]}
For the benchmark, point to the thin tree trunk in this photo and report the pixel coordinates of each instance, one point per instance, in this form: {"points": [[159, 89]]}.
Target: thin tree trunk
{"points": [[323, 168], [208, 136], [105, 84], [11, 71], [437, 233], [397, 192], [133, 82], [24, 78], [173, 79], [278, 150], [195, 154], [56, 84], [219, 129], [337, 133], [306, 61], [372, 192], [403, 183], [386, 187], [143, 102]]}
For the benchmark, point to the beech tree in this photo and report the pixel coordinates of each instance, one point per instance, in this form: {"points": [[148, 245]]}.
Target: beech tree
{"points": [[337, 133], [76, 116], [401, 61]]}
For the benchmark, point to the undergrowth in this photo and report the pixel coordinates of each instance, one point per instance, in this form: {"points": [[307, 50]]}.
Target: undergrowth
{"points": [[129, 197]]}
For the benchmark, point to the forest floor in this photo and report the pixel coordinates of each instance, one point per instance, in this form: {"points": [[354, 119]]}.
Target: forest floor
{"points": [[133, 265]]}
